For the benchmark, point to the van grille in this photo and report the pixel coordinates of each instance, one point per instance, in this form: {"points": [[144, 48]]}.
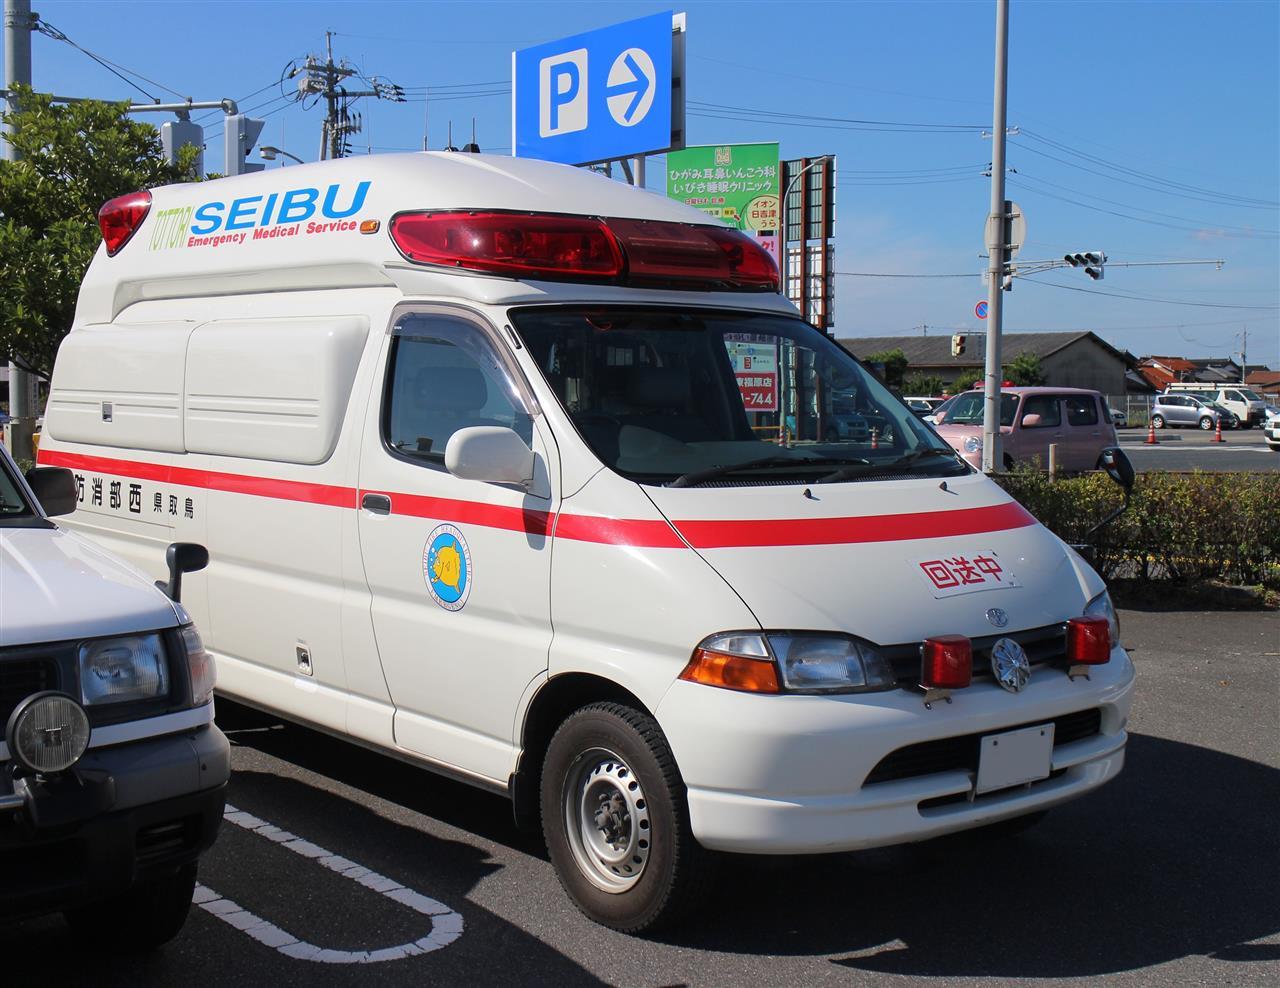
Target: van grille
{"points": [[961, 753], [1044, 646]]}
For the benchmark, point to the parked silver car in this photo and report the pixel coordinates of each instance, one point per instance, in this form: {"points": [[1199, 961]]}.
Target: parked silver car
{"points": [[1178, 410]]}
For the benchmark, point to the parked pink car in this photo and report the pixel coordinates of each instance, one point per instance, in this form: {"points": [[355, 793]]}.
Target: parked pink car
{"points": [[1078, 421]]}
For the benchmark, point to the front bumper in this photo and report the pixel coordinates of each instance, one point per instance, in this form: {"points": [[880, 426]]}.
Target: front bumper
{"points": [[788, 774], [144, 809]]}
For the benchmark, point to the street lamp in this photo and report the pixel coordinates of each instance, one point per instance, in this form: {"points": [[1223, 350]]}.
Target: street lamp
{"points": [[269, 154]]}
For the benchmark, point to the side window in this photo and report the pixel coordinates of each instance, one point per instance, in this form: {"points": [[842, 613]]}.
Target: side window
{"points": [[1235, 396], [1048, 407], [1082, 410], [444, 375]]}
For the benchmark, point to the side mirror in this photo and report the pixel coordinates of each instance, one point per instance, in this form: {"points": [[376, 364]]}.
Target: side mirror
{"points": [[54, 488], [1118, 467], [182, 557], [492, 453], [939, 418], [1031, 420]]}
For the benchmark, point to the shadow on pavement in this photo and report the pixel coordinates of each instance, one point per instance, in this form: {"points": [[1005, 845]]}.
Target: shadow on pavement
{"points": [[1177, 858]]}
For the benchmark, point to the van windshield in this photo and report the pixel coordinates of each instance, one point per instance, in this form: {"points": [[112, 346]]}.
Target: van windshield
{"points": [[969, 408], [680, 397]]}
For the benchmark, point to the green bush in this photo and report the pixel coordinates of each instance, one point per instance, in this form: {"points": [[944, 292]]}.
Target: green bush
{"points": [[1184, 527]]}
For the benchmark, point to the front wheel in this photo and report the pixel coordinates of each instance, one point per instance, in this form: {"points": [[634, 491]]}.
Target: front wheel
{"points": [[156, 911], [1206, 424], [1157, 421], [616, 820]]}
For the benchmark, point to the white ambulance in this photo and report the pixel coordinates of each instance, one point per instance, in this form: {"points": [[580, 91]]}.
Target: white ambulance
{"points": [[526, 476]]}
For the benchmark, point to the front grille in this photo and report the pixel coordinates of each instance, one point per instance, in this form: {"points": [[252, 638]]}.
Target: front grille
{"points": [[19, 678], [1044, 646], [961, 753]]}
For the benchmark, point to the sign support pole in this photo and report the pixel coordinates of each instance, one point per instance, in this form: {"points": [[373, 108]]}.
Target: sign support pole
{"points": [[992, 462], [18, 21]]}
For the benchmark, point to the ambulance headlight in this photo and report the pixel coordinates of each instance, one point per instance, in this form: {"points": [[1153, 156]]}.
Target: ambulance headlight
{"points": [[973, 444], [1101, 606], [121, 670], [830, 664]]}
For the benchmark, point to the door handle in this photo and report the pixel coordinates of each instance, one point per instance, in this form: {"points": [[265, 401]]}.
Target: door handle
{"points": [[379, 504]]}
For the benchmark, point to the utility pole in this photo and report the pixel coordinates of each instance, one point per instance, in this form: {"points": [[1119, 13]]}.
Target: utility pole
{"points": [[18, 24], [991, 459], [322, 79]]}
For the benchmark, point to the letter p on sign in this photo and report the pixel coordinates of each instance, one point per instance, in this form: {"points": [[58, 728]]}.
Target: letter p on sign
{"points": [[562, 93]]}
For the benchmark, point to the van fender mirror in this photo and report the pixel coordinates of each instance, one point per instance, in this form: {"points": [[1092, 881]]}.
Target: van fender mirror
{"points": [[54, 488], [1118, 467], [491, 453]]}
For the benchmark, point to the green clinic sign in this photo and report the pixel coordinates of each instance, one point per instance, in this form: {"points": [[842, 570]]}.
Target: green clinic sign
{"points": [[737, 183]]}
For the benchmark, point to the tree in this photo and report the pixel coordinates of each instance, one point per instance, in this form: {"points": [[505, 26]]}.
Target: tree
{"points": [[72, 159], [922, 384], [1025, 370], [966, 379], [895, 365]]}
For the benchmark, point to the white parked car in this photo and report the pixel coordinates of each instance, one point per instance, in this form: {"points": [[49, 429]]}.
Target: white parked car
{"points": [[484, 489], [112, 773]]}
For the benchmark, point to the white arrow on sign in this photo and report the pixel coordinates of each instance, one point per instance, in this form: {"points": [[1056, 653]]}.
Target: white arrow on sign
{"points": [[630, 87]]}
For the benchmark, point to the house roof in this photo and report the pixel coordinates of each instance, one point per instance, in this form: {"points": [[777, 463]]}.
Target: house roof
{"points": [[1264, 379], [935, 351]]}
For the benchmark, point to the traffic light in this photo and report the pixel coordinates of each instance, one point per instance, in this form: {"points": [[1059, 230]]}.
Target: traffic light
{"points": [[958, 341], [239, 137], [175, 134], [1092, 261]]}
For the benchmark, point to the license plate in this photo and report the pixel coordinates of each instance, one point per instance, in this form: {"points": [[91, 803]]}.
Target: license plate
{"points": [[1014, 757]]}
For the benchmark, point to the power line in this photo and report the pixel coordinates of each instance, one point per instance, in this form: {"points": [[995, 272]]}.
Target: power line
{"points": [[1148, 298], [873, 274], [704, 108], [48, 30], [1226, 198]]}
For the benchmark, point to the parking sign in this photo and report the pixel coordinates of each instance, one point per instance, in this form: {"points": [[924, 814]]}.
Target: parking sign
{"points": [[597, 96]]}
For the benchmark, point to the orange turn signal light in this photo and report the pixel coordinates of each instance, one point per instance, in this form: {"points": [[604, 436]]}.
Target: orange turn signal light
{"points": [[370, 226], [732, 672]]}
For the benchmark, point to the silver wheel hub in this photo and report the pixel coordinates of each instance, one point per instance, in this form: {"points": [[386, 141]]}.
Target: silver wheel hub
{"points": [[606, 817]]}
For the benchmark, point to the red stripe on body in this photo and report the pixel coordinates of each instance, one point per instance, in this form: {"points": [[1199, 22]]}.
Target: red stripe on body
{"points": [[639, 532]]}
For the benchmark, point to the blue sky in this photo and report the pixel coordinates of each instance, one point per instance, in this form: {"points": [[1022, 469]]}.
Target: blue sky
{"points": [[1176, 105]]}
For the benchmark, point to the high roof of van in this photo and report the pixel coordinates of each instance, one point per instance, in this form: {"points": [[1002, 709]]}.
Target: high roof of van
{"points": [[327, 224]]}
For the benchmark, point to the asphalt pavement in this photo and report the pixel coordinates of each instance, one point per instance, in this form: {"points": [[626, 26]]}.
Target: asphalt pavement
{"points": [[1191, 449], [1166, 876]]}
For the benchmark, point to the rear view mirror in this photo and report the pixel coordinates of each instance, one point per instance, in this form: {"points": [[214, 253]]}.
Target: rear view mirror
{"points": [[494, 454], [183, 557], [939, 418], [54, 488], [1118, 467], [1031, 420]]}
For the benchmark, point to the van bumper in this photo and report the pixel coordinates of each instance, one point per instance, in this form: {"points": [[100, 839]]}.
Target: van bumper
{"points": [[789, 774], [144, 810]]}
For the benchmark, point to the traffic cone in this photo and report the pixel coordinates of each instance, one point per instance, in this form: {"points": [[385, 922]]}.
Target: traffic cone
{"points": [[875, 439], [1217, 430], [1151, 434]]}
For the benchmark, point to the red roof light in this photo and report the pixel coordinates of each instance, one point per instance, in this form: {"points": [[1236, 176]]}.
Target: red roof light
{"points": [[584, 248], [947, 662], [1089, 641], [120, 218]]}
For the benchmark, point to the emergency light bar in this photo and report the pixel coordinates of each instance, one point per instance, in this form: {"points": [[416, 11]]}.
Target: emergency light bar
{"points": [[585, 248], [120, 217]]}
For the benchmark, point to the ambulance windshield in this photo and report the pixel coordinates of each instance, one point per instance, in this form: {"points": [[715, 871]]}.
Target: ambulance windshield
{"points": [[688, 398]]}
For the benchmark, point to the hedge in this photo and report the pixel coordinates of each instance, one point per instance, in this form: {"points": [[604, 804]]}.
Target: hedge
{"points": [[1183, 527]]}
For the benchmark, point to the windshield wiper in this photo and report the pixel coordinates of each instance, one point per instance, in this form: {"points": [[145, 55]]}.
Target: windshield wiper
{"points": [[845, 473], [711, 473]]}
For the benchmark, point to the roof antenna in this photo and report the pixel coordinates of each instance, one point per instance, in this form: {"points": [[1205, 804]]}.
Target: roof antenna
{"points": [[473, 147], [449, 146]]}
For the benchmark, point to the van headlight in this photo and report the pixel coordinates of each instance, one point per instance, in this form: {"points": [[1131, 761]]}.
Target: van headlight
{"points": [[204, 675], [789, 662], [1101, 606], [973, 444], [122, 670]]}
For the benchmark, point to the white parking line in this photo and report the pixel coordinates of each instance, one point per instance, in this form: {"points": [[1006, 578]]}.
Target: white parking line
{"points": [[446, 925]]}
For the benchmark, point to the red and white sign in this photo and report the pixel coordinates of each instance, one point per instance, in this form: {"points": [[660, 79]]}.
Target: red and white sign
{"points": [[755, 365], [949, 576]]}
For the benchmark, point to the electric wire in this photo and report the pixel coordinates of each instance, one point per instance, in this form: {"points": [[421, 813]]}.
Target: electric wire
{"points": [[1148, 298], [49, 31], [705, 108]]}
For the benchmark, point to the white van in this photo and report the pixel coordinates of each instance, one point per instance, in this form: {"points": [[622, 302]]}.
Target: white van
{"points": [[524, 475], [1245, 404], [112, 772]]}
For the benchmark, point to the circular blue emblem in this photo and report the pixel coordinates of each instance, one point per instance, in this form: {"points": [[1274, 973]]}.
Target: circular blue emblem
{"points": [[446, 566]]}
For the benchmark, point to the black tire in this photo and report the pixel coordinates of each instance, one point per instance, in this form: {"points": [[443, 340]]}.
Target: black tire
{"points": [[1157, 421], [1206, 424], [674, 870], [156, 912]]}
